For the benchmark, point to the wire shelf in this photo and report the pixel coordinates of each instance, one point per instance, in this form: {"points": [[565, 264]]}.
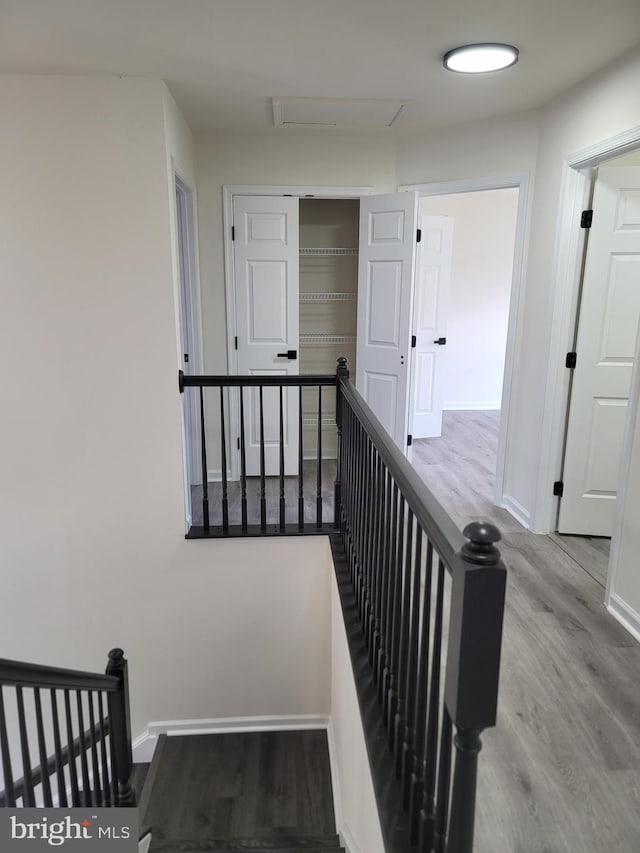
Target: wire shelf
{"points": [[323, 340], [326, 252], [327, 297]]}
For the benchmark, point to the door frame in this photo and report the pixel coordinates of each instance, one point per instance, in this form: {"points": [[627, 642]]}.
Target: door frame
{"points": [[229, 191], [192, 321], [468, 185]]}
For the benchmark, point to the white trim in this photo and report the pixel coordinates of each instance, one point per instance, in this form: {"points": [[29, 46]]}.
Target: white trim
{"points": [[626, 615], [606, 149], [570, 239], [574, 193], [144, 745], [497, 182], [228, 193], [214, 475], [473, 405], [516, 509]]}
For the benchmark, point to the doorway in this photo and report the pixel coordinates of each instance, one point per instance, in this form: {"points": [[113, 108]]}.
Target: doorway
{"points": [[467, 305], [602, 360]]}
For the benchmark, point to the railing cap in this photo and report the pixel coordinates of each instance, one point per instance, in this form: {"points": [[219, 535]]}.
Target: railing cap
{"points": [[480, 549]]}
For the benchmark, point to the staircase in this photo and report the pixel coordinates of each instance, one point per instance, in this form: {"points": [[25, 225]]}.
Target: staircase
{"points": [[259, 792]]}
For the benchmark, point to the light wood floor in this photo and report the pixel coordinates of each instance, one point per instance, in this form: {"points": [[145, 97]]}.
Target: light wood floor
{"points": [[560, 773]]}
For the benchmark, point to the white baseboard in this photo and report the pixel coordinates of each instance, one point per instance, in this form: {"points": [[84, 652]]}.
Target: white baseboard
{"points": [[214, 475], [144, 745], [473, 405], [625, 615], [517, 510]]}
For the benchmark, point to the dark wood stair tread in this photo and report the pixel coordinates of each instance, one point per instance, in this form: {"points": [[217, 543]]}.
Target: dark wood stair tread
{"points": [[327, 844]]}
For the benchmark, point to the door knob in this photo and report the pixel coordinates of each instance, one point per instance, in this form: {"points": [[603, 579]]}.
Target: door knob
{"points": [[290, 353], [440, 341]]}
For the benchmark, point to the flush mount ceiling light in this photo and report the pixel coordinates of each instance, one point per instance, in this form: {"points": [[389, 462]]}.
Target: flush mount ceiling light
{"points": [[479, 58]]}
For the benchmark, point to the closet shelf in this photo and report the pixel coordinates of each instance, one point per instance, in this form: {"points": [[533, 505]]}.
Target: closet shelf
{"points": [[325, 252], [327, 297], [324, 339], [312, 420]]}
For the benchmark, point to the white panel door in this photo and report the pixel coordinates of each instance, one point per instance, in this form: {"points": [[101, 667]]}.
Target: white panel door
{"points": [[433, 276], [266, 258], [388, 229], [607, 329]]}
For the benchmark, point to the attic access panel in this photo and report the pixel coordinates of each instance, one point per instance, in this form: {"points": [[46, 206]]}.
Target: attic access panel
{"points": [[337, 112]]}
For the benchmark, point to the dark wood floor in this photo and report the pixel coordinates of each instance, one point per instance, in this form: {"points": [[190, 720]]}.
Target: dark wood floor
{"points": [[248, 791]]}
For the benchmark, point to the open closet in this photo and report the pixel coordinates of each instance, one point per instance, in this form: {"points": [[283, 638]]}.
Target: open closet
{"points": [[328, 292]]}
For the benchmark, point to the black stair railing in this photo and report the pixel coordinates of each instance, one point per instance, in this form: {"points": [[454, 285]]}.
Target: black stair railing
{"points": [[70, 733], [430, 604], [275, 496]]}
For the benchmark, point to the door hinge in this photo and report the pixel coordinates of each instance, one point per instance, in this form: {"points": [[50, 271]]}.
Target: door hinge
{"points": [[571, 360], [413, 341], [586, 218], [233, 232], [558, 488], [419, 235], [409, 440], [186, 358], [238, 443], [235, 340]]}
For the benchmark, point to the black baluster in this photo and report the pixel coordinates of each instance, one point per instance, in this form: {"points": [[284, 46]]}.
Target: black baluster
{"points": [[342, 372], [42, 750], [263, 493], [9, 791], [106, 781], [319, 463], [444, 784], [203, 456], [120, 726], [223, 460], [370, 587], [282, 503], [29, 794], [300, 463], [380, 657], [403, 652], [420, 710], [97, 787], [398, 617], [243, 466], [387, 603], [57, 751], [73, 770], [430, 755], [84, 765]]}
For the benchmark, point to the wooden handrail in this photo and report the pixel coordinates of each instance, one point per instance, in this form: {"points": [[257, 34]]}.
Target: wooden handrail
{"points": [[21, 674]]}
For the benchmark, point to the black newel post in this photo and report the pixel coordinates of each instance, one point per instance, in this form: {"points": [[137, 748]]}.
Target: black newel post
{"points": [[342, 372], [473, 668], [118, 703]]}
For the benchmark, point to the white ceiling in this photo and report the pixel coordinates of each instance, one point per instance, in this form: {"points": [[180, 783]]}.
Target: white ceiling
{"points": [[224, 60]]}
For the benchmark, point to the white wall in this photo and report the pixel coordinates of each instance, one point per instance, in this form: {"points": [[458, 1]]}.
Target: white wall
{"points": [[92, 549], [478, 314], [357, 817], [275, 159]]}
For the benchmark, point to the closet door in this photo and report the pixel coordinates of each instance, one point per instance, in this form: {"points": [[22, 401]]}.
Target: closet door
{"points": [[386, 267], [266, 271]]}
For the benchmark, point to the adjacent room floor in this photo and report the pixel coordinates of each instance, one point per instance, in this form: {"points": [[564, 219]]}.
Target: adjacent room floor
{"points": [[460, 467]]}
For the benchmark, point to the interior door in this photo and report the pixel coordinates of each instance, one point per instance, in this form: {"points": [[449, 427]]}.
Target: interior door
{"points": [[266, 258], [433, 277], [388, 234], [607, 328]]}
